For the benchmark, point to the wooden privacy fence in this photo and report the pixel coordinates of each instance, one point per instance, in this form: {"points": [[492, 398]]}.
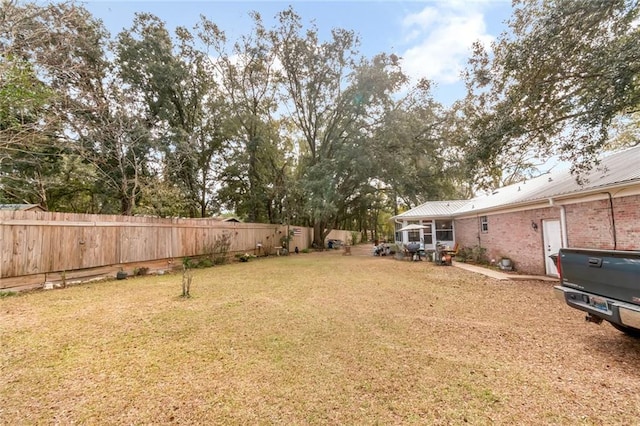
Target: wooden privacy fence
{"points": [[41, 247]]}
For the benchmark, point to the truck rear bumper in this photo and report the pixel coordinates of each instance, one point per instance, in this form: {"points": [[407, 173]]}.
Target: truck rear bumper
{"points": [[630, 317], [615, 311]]}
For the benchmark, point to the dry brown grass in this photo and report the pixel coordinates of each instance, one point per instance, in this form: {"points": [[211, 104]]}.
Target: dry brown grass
{"points": [[312, 339]]}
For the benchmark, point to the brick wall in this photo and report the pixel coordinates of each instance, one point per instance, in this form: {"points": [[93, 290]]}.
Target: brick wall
{"points": [[509, 235], [589, 225]]}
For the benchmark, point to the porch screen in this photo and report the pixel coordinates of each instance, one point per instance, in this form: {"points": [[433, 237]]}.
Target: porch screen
{"points": [[414, 236], [428, 233]]}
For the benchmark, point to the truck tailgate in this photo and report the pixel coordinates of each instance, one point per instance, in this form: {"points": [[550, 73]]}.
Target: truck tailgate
{"points": [[614, 274]]}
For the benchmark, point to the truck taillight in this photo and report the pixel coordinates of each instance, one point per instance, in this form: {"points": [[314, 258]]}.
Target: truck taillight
{"points": [[559, 266]]}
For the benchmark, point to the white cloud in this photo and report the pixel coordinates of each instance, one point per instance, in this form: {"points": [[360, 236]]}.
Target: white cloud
{"points": [[441, 36], [422, 20]]}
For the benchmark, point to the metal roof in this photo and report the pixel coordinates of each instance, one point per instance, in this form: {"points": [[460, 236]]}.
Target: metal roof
{"points": [[433, 209], [616, 169]]}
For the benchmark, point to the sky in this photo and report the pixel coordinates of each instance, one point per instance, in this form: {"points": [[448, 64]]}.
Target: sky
{"points": [[433, 37]]}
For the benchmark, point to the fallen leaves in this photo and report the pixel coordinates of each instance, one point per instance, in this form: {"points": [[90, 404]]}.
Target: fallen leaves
{"points": [[313, 339]]}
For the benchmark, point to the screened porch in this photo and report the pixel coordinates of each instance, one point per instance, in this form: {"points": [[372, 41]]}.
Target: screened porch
{"points": [[431, 231]]}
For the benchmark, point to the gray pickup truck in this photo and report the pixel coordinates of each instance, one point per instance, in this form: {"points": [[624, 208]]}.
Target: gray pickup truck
{"points": [[603, 283]]}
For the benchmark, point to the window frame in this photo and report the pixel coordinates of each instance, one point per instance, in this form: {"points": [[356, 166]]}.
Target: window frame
{"points": [[484, 224], [444, 230], [427, 233]]}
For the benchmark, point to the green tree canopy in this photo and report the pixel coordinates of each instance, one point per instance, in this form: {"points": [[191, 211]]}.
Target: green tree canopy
{"points": [[336, 99], [555, 82], [278, 125]]}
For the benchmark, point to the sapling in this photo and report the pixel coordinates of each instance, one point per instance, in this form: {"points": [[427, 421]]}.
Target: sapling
{"points": [[187, 278]]}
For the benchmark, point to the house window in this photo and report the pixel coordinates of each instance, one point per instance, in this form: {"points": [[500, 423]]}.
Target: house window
{"points": [[484, 224], [444, 230]]}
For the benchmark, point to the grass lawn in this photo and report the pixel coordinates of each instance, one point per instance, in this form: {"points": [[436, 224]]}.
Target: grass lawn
{"points": [[314, 338]]}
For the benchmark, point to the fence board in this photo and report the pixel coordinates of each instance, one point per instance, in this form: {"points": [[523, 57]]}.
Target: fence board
{"points": [[33, 244], [24, 282]]}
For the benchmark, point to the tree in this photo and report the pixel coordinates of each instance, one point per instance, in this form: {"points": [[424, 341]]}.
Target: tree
{"points": [[54, 58], [284, 127], [25, 133], [334, 100], [257, 173], [116, 142], [469, 124], [416, 158], [556, 82], [182, 103]]}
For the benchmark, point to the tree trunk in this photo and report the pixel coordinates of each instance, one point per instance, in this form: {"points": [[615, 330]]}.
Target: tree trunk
{"points": [[320, 233]]}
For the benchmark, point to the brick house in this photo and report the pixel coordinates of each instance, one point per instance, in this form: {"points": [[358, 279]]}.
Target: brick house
{"points": [[529, 220]]}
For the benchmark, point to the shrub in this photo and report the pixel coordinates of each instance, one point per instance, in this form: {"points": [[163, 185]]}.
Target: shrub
{"points": [[286, 239], [245, 257], [464, 254], [218, 251], [188, 263], [479, 254], [475, 254], [205, 262], [221, 248], [198, 263]]}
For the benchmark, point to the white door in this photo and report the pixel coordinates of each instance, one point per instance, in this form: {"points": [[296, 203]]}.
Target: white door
{"points": [[552, 239]]}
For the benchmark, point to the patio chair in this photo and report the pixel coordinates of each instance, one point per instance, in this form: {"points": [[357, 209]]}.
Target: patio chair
{"points": [[444, 256]]}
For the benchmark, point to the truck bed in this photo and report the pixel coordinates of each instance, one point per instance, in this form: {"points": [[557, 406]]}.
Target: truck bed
{"points": [[603, 283], [609, 273]]}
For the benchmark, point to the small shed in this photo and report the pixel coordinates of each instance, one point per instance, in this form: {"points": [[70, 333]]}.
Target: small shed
{"points": [[227, 219], [22, 207]]}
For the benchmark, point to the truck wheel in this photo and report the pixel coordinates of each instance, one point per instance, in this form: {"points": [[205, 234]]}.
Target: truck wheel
{"points": [[629, 331]]}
